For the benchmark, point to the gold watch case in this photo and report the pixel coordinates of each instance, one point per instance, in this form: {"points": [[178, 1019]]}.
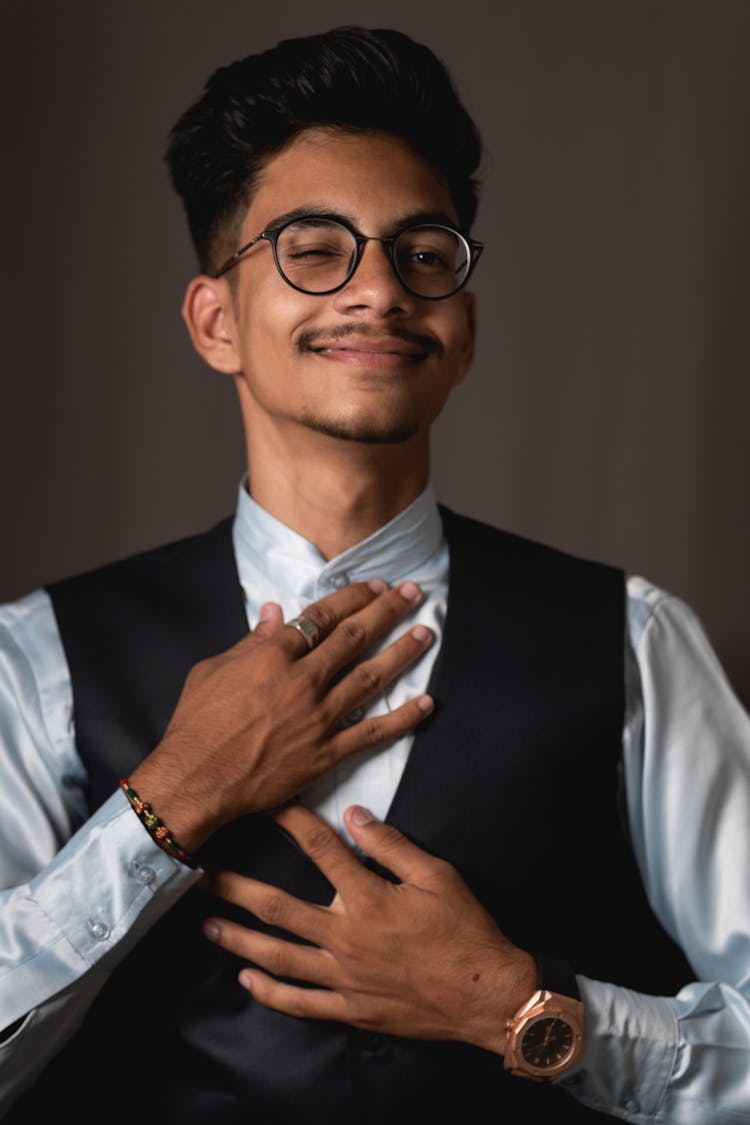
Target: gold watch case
{"points": [[545, 1037]]}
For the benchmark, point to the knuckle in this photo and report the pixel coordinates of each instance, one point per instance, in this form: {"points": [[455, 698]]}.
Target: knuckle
{"points": [[200, 672], [276, 961], [372, 734], [273, 910], [306, 681], [349, 952], [320, 840], [390, 838], [320, 615], [443, 870], [394, 606], [369, 678], [352, 630]]}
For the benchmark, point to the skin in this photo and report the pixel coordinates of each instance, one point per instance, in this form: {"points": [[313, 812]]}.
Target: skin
{"points": [[338, 394], [420, 958], [336, 490]]}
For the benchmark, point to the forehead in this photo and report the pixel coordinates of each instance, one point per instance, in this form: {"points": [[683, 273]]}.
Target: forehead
{"points": [[366, 177]]}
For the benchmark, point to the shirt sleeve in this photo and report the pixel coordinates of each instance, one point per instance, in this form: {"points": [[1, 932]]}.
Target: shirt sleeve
{"points": [[686, 752], [75, 894]]}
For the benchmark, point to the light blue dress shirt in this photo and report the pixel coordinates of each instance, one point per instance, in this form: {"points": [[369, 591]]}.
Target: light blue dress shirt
{"points": [[80, 892]]}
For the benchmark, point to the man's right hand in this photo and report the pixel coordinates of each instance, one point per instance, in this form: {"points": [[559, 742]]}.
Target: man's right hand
{"points": [[257, 724]]}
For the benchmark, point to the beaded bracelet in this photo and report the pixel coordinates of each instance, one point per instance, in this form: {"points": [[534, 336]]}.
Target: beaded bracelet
{"points": [[154, 826]]}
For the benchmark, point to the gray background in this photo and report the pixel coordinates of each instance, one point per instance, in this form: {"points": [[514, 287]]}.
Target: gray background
{"points": [[607, 411]]}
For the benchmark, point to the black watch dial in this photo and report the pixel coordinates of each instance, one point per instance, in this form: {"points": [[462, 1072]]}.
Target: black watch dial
{"points": [[547, 1042]]}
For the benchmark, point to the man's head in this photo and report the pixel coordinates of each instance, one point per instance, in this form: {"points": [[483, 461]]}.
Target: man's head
{"points": [[350, 77], [362, 135]]}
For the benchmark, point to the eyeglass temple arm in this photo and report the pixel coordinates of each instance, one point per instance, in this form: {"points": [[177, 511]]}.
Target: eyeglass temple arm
{"points": [[234, 258]]}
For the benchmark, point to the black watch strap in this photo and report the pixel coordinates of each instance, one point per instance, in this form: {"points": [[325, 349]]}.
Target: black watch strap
{"points": [[556, 975]]}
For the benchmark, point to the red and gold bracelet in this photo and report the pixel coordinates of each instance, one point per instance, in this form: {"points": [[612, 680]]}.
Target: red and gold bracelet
{"points": [[154, 826]]}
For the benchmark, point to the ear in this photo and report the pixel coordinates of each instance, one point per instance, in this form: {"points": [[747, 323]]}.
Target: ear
{"points": [[208, 312], [467, 356]]}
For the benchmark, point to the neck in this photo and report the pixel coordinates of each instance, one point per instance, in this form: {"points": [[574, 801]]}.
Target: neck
{"points": [[336, 493]]}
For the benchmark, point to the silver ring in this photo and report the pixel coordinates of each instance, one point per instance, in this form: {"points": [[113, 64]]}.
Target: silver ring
{"points": [[307, 629]]}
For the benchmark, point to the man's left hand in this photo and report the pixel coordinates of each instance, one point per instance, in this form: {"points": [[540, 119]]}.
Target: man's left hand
{"points": [[420, 958]]}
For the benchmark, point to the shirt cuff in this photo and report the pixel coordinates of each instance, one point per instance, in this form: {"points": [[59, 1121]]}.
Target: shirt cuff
{"points": [[630, 1051], [97, 897]]}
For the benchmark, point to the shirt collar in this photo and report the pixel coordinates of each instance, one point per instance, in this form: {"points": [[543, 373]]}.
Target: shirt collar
{"points": [[268, 549]]}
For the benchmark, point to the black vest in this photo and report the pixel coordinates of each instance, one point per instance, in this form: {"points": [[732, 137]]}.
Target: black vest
{"points": [[515, 779]]}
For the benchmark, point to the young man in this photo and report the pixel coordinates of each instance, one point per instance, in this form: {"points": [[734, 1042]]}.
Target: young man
{"points": [[540, 874]]}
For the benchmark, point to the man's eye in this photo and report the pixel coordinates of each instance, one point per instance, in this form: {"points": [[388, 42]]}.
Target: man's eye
{"points": [[428, 258], [424, 259], [312, 251]]}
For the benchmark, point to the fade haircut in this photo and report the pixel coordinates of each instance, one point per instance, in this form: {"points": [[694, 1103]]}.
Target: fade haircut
{"points": [[350, 77]]}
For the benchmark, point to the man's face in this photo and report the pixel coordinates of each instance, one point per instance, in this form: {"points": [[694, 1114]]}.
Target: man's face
{"points": [[371, 362]]}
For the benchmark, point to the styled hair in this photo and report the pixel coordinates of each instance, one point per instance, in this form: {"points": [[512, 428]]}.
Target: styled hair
{"points": [[350, 77]]}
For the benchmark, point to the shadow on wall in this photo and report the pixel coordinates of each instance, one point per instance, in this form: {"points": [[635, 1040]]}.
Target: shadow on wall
{"points": [[606, 410]]}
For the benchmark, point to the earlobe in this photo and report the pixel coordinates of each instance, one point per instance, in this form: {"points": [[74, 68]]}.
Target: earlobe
{"points": [[208, 314]]}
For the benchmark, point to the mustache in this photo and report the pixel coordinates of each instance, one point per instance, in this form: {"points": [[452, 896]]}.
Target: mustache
{"points": [[308, 338]]}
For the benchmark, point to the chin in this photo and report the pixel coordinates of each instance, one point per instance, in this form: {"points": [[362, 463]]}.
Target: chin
{"points": [[368, 432]]}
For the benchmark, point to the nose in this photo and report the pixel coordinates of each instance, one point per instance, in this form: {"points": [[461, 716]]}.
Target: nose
{"points": [[374, 286]]}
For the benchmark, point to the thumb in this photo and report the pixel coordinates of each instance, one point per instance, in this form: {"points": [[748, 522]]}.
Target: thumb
{"points": [[269, 622], [388, 846]]}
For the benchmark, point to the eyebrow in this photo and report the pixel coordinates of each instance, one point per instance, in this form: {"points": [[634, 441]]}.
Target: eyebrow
{"points": [[413, 218]]}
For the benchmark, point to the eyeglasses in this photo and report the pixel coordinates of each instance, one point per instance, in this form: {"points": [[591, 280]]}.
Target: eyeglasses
{"points": [[318, 255]]}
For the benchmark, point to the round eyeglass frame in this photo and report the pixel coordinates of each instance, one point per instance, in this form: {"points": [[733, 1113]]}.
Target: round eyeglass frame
{"points": [[474, 251]]}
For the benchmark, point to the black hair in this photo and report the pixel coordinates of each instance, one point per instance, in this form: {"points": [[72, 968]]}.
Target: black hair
{"points": [[350, 77]]}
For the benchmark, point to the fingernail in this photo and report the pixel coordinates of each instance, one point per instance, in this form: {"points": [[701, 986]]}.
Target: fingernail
{"points": [[246, 980], [265, 614], [377, 585], [410, 591], [361, 816], [211, 930], [421, 633], [425, 703]]}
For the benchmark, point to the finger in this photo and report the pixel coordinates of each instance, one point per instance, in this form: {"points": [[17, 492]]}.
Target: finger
{"points": [[270, 904], [367, 679], [282, 958], [305, 1003], [390, 848], [270, 620], [330, 611], [353, 636], [329, 853], [379, 729]]}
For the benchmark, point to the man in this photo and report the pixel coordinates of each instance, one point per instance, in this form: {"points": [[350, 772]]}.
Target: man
{"points": [[540, 875]]}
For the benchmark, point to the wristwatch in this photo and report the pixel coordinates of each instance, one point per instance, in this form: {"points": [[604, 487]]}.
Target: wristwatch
{"points": [[545, 1036]]}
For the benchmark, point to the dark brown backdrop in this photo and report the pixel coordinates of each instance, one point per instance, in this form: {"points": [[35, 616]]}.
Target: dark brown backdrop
{"points": [[607, 409]]}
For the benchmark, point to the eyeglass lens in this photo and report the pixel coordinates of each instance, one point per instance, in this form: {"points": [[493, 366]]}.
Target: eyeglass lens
{"points": [[317, 255]]}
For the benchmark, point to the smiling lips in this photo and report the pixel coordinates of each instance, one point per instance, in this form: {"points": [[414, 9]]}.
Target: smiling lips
{"points": [[387, 353]]}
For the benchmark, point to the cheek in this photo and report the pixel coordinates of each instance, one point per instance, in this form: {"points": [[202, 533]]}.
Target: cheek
{"points": [[463, 340], [272, 319], [458, 351]]}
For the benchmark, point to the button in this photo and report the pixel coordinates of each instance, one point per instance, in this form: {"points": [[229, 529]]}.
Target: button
{"points": [[142, 872], [632, 1106], [99, 930], [338, 581]]}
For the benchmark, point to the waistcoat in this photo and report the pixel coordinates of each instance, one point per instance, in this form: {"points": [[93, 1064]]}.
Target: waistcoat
{"points": [[514, 778]]}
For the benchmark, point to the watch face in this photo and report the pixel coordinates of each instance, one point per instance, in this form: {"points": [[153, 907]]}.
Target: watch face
{"points": [[547, 1042]]}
